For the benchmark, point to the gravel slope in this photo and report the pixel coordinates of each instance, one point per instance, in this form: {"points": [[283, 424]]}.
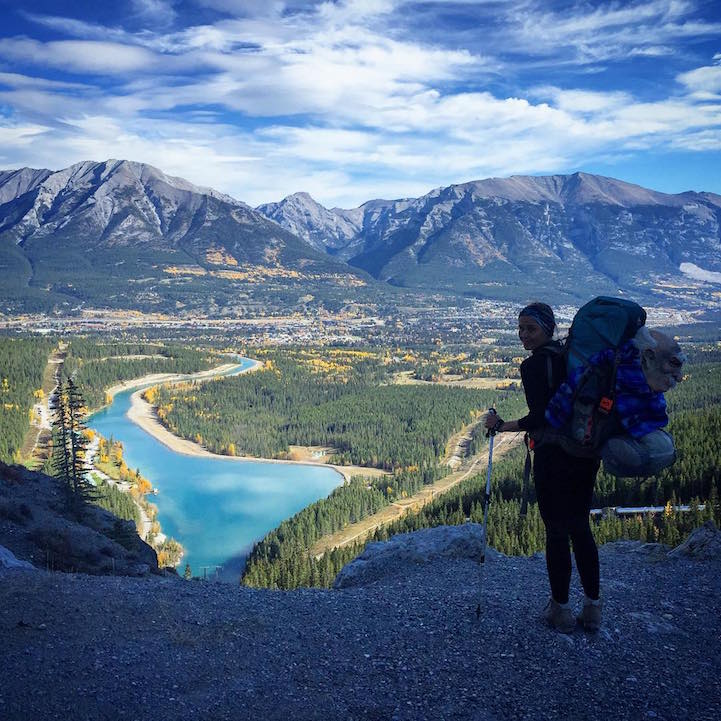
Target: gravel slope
{"points": [[407, 646]]}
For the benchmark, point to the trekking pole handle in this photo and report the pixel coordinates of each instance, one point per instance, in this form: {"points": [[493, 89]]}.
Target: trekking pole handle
{"points": [[497, 425]]}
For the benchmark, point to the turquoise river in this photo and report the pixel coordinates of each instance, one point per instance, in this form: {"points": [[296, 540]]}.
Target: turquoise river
{"points": [[216, 507]]}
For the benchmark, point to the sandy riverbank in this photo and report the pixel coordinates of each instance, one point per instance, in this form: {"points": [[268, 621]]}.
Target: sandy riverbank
{"points": [[154, 378], [143, 414]]}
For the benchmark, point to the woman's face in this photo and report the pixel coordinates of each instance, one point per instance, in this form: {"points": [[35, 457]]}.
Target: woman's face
{"points": [[531, 334]]}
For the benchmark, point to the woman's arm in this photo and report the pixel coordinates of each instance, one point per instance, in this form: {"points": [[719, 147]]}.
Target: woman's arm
{"points": [[534, 375]]}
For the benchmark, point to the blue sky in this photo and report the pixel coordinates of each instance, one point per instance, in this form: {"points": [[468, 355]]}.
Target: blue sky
{"points": [[360, 99]]}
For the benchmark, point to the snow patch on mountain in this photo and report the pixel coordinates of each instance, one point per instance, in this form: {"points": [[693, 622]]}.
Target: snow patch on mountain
{"points": [[693, 271]]}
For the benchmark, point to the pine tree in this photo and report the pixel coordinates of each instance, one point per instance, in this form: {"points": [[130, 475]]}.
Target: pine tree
{"points": [[61, 441], [715, 505], [70, 447]]}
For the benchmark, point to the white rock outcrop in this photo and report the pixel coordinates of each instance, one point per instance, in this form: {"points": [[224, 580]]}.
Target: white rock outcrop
{"points": [[704, 542], [8, 560], [383, 559]]}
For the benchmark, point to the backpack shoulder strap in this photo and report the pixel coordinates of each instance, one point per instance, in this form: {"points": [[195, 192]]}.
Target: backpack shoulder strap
{"points": [[549, 370], [552, 350]]}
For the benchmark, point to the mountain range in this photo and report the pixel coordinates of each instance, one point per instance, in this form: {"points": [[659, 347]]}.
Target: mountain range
{"points": [[124, 234], [576, 234]]}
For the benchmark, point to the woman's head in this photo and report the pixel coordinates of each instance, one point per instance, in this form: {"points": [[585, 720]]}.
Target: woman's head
{"points": [[536, 324]]}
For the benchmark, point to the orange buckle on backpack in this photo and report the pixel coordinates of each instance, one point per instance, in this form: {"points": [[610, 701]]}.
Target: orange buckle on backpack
{"points": [[605, 404]]}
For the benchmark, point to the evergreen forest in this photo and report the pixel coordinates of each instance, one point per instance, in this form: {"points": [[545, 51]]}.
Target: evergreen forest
{"points": [[22, 366], [96, 365], [359, 414], [119, 503], [351, 402]]}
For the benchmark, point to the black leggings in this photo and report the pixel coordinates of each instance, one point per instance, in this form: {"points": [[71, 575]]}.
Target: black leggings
{"points": [[564, 490]]}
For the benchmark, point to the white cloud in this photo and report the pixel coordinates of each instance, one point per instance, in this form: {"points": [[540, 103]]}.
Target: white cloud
{"points": [[19, 136], [159, 12], [699, 142], [18, 80], [78, 56], [245, 8], [583, 101], [354, 11], [44, 105], [322, 98], [80, 28], [403, 147], [706, 79], [611, 31]]}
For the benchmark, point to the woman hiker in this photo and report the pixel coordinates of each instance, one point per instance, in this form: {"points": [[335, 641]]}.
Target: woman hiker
{"points": [[564, 483]]}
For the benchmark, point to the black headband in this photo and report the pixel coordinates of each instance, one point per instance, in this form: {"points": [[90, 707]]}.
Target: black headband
{"points": [[544, 317]]}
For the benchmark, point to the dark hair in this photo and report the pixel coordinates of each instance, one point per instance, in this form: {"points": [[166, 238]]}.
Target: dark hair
{"points": [[542, 313]]}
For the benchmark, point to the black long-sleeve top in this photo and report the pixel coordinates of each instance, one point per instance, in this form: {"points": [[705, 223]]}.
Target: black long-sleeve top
{"points": [[535, 378]]}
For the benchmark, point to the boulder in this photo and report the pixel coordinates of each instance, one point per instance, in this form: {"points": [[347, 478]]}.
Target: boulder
{"points": [[703, 543], [8, 560], [388, 558]]}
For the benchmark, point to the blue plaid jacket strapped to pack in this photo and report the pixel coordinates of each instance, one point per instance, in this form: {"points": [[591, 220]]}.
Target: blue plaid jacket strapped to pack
{"points": [[639, 409]]}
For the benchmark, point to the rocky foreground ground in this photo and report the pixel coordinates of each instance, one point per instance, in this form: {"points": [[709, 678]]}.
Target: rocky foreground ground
{"points": [[399, 639]]}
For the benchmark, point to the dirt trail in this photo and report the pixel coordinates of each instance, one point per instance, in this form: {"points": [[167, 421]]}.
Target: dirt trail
{"points": [[365, 527], [38, 434]]}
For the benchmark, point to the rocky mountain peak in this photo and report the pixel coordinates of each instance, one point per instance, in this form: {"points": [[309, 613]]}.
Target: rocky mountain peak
{"points": [[320, 227], [14, 183], [61, 232], [302, 198], [584, 188], [575, 189], [500, 237], [110, 175], [114, 198], [511, 232]]}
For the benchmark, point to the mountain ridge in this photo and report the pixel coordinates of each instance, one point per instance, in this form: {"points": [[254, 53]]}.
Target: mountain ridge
{"points": [[545, 229], [124, 234]]}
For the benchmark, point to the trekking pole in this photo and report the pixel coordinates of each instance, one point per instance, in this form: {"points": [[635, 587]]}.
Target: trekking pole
{"points": [[490, 434]]}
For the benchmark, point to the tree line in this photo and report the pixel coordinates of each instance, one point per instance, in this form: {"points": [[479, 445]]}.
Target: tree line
{"points": [[120, 504], [22, 365], [95, 366], [282, 560]]}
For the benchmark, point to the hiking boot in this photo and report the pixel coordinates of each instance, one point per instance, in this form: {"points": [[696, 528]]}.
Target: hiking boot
{"points": [[590, 616], [559, 616]]}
